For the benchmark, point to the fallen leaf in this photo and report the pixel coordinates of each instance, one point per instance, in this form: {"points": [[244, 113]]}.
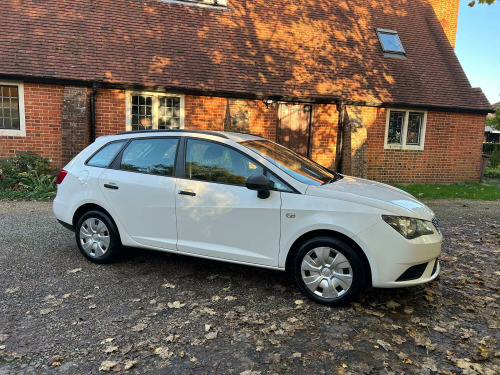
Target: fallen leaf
{"points": [[107, 365], [163, 352], [299, 302], [110, 349], [2, 347], [75, 270], [13, 290], [139, 327], [3, 337], [175, 305], [230, 298], [91, 307], [168, 285], [384, 345], [211, 335], [207, 327], [297, 355], [250, 372], [45, 311], [129, 364], [440, 329], [109, 339]]}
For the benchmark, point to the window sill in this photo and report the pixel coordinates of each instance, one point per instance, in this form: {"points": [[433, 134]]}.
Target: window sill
{"points": [[12, 133], [401, 147]]}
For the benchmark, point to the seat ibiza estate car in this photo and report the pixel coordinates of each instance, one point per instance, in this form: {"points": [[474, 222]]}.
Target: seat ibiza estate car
{"points": [[241, 198]]}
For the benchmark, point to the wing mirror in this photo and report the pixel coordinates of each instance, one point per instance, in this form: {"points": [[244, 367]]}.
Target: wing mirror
{"points": [[260, 183]]}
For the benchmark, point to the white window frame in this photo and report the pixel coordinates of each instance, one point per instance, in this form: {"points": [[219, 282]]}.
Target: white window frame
{"points": [[21, 132], [404, 131], [155, 95]]}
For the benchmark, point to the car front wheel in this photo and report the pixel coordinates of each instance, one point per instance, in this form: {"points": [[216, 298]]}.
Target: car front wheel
{"points": [[97, 237], [328, 271]]}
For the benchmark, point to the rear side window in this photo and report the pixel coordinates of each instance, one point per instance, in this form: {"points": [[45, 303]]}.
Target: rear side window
{"points": [[105, 155], [154, 156]]}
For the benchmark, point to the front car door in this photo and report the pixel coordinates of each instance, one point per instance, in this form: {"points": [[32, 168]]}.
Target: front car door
{"points": [[217, 216], [140, 188]]}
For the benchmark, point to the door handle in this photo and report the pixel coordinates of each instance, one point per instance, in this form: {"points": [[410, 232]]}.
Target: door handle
{"points": [[111, 186], [187, 192]]}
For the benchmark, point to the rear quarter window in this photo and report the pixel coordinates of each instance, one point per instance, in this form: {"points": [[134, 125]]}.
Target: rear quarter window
{"points": [[105, 155]]}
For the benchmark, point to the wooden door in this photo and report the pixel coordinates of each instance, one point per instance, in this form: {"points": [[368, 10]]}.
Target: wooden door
{"points": [[294, 121]]}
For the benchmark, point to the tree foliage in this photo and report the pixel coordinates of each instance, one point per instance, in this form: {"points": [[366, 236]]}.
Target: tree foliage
{"points": [[494, 121], [473, 2]]}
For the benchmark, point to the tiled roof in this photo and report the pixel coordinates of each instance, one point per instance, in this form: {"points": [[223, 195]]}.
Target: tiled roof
{"points": [[307, 49]]}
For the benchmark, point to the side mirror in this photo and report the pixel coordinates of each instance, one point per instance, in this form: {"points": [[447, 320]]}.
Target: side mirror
{"points": [[260, 183]]}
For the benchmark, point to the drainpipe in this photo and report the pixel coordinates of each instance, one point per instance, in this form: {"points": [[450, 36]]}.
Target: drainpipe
{"points": [[92, 112], [340, 133]]}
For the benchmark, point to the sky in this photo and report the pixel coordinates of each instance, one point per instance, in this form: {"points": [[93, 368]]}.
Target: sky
{"points": [[478, 46]]}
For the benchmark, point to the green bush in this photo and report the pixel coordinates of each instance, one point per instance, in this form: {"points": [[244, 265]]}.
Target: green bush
{"points": [[27, 175], [492, 173]]}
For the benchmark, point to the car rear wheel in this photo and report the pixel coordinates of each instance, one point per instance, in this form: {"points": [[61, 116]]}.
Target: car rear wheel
{"points": [[97, 237], [328, 271]]}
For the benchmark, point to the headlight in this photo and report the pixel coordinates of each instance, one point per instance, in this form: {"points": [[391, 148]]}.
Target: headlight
{"points": [[409, 227]]}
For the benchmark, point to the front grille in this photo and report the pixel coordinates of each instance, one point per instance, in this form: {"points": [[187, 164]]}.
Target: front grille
{"points": [[413, 273], [436, 224]]}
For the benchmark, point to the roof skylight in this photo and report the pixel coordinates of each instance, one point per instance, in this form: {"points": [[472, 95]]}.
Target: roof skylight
{"points": [[390, 42]]}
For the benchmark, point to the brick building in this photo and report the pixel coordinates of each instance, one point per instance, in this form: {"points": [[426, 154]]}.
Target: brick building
{"points": [[371, 88]]}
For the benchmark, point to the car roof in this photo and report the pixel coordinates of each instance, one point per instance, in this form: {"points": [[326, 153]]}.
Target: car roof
{"points": [[237, 137]]}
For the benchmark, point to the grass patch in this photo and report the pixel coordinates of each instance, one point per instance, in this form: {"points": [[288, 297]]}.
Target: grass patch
{"points": [[488, 191]]}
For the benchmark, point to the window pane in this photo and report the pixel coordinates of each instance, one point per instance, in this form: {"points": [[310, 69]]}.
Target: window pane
{"points": [[155, 156], [414, 128], [106, 155], [9, 107], [390, 42], [169, 109], [277, 183], [396, 121], [214, 162], [142, 112]]}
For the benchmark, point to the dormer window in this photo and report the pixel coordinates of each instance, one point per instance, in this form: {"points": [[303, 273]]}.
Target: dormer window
{"points": [[390, 42]]}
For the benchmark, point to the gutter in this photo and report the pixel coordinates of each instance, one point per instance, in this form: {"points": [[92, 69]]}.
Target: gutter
{"points": [[340, 135], [92, 95]]}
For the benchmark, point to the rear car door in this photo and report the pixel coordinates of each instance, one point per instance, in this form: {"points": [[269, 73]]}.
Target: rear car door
{"points": [[140, 188], [217, 215]]}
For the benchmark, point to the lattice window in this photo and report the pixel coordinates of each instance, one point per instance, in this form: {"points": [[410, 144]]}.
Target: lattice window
{"points": [[405, 129], [9, 107], [154, 111]]}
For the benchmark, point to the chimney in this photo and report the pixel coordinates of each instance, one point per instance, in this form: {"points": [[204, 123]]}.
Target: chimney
{"points": [[447, 13]]}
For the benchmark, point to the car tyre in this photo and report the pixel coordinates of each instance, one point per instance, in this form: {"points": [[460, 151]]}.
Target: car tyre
{"points": [[97, 237], [328, 271]]}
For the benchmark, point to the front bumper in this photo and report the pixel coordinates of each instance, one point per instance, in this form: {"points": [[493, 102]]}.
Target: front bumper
{"points": [[398, 262]]}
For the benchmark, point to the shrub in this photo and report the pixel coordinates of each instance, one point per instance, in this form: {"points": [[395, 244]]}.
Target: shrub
{"points": [[492, 173], [27, 175]]}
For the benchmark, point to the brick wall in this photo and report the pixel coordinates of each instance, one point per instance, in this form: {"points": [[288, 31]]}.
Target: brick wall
{"points": [[447, 14], [42, 104], [110, 112], [452, 150]]}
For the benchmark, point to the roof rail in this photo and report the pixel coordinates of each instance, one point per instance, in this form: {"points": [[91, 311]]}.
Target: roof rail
{"points": [[217, 134]]}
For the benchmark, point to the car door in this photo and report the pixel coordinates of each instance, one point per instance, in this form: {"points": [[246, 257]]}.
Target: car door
{"points": [[217, 216], [140, 188]]}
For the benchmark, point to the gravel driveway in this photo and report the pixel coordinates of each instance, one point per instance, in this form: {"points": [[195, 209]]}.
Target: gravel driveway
{"points": [[157, 313]]}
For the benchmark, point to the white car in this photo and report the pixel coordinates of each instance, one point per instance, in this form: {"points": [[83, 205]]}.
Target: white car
{"points": [[241, 198]]}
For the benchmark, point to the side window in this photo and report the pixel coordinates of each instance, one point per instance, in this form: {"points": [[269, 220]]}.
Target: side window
{"points": [[209, 161], [154, 156], [105, 155], [278, 184]]}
